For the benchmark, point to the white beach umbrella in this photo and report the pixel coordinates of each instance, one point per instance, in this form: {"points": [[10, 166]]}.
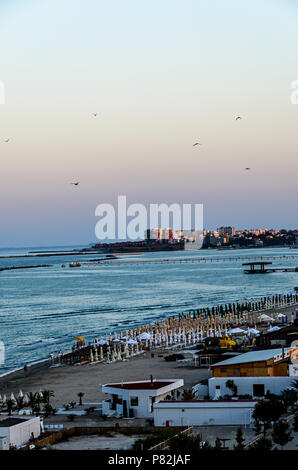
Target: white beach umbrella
{"points": [[265, 317], [4, 398], [20, 395], [274, 328], [252, 331], [132, 341], [235, 331], [101, 342], [12, 397], [144, 336]]}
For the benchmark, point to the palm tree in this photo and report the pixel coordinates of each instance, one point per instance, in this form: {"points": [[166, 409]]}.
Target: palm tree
{"points": [[20, 403], [9, 406], [80, 395], [47, 394]]}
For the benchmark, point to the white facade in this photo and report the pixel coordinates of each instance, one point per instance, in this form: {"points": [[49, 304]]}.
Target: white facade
{"points": [[204, 413], [140, 400], [248, 385], [20, 430]]}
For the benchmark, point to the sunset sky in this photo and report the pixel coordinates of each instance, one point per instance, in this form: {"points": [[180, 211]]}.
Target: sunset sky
{"points": [[162, 74]]}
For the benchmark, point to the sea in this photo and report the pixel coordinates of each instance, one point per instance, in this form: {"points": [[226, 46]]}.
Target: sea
{"points": [[42, 309]]}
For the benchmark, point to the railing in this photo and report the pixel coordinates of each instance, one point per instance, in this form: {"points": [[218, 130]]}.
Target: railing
{"points": [[164, 444]]}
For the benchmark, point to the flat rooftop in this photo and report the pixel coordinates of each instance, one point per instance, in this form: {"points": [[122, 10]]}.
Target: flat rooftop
{"points": [[146, 385], [8, 422]]}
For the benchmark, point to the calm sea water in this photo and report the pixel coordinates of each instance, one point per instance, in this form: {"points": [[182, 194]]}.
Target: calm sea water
{"points": [[42, 309]]}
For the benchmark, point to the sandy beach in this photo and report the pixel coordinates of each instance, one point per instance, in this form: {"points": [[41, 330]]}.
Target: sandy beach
{"points": [[68, 381]]}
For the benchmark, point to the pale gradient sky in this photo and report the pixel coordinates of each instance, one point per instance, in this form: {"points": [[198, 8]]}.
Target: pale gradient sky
{"points": [[162, 74]]}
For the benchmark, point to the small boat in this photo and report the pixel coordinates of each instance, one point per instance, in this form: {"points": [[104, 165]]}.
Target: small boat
{"points": [[74, 265]]}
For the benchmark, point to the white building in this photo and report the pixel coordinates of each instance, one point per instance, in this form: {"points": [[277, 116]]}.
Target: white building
{"points": [[20, 430], [137, 398], [4, 443], [257, 387], [204, 413]]}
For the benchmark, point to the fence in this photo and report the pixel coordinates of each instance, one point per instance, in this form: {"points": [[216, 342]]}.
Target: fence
{"points": [[50, 438], [164, 444]]}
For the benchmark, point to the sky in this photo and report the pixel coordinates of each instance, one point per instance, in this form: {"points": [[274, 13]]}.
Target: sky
{"points": [[161, 75]]}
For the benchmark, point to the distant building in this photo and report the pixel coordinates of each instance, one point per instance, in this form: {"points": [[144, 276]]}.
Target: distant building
{"points": [[137, 398], [264, 363], [226, 231]]}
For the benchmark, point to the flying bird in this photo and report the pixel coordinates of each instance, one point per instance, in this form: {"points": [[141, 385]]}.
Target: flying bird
{"points": [[196, 143], [247, 169], [6, 140], [238, 117], [75, 184], [94, 114]]}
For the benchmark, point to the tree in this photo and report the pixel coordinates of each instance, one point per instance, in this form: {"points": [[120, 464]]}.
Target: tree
{"points": [[239, 439], [80, 395], [265, 413], [281, 434], [187, 395], [295, 384], [186, 444], [9, 406], [262, 444], [20, 403], [218, 444], [232, 386], [47, 394], [289, 398]]}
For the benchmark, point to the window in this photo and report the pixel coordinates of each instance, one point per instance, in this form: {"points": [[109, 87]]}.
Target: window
{"points": [[217, 387], [258, 390], [134, 401]]}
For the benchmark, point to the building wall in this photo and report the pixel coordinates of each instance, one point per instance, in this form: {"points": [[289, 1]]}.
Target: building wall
{"points": [[143, 409], [20, 433], [252, 369], [202, 413], [4, 443], [245, 385]]}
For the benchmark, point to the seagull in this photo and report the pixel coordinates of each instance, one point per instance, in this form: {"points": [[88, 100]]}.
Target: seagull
{"points": [[196, 143], [6, 140], [238, 117], [75, 184], [247, 169], [95, 114]]}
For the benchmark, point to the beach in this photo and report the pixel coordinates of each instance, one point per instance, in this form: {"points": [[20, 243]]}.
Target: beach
{"points": [[68, 381]]}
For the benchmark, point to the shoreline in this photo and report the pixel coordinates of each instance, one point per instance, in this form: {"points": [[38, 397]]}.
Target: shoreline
{"points": [[42, 367]]}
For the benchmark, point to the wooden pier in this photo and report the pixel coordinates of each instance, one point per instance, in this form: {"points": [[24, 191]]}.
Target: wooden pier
{"points": [[260, 269]]}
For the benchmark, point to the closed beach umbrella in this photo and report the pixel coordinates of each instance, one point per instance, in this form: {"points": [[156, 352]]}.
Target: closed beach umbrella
{"points": [[12, 397], [91, 356], [96, 354], [20, 395], [26, 399]]}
